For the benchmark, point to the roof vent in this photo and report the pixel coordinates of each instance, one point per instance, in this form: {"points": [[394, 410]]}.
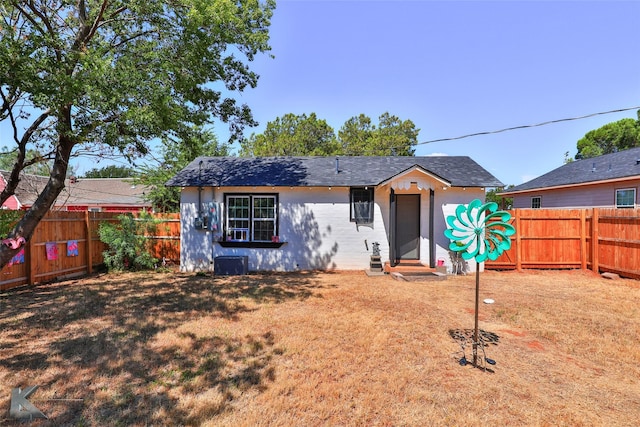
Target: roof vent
{"points": [[637, 161], [593, 168], [337, 165]]}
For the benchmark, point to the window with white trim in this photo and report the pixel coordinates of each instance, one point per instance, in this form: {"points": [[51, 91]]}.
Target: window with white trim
{"points": [[361, 205], [626, 198], [536, 202], [251, 217]]}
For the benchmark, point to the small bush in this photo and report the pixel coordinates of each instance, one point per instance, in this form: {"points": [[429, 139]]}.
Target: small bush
{"points": [[8, 220], [127, 241]]}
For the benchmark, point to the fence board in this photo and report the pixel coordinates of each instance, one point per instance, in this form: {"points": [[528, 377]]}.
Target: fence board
{"points": [[598, 239], [601, 239], [58, 228]]}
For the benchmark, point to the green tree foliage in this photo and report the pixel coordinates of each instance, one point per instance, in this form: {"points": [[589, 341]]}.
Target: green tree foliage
{"points": [[292, 135], [176, 154], [355, 135], [111, 171], [116, 74], [128, 246], [493, 195], [612, 137], [302, 135], [8, 220], [35, 163], [392, 137], [567, 158]]}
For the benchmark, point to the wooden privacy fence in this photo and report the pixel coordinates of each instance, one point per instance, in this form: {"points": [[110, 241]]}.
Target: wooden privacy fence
{"points": [[599, 239], [66, 244]]}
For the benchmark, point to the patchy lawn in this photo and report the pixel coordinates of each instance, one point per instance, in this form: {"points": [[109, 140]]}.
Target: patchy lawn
{"points": [[323, 349]]}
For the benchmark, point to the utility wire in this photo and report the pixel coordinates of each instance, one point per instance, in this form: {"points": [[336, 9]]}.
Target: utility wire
{"points": [[549, 122]]}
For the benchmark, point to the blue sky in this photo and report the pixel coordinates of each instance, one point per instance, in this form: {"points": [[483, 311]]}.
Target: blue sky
{"points": [[453, 68], [456, 68]]}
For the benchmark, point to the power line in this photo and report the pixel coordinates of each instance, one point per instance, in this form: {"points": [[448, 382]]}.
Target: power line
{"points": [[549, 122]]}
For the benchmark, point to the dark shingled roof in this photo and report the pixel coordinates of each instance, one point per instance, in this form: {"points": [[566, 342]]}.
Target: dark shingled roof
{"points": [[458, 171], [83, 191], [622, 164]]}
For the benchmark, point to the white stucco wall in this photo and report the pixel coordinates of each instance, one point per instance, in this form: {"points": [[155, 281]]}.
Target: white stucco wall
{"points": [[315, 224]]}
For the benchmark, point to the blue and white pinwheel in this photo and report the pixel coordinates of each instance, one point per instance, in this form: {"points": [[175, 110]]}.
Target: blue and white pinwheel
{"points": [[479, 231], [482, 232]]}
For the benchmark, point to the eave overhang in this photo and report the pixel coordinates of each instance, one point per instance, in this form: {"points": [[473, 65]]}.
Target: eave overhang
{"points": [[565, 186], [398, 177]]}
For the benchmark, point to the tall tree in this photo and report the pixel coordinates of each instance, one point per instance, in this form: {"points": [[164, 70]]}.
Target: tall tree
{"points": [[392, 136], [120, 74], [302, 135], [292, 135], [176, 154], [615, 136], [355, 135]]}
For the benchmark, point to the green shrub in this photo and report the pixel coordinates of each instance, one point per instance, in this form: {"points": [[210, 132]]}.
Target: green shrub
{"points": [[127, 241], [8, 220]]}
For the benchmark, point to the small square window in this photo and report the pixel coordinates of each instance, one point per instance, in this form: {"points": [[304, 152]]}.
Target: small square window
{"points": [[626, 198], [536, 202], [362, 205]]}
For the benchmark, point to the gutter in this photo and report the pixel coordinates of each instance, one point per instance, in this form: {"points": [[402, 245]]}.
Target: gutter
{"points": [[563, 186]]}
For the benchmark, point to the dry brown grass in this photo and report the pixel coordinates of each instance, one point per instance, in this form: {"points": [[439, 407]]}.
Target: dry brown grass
{"points": [[323, 349]]}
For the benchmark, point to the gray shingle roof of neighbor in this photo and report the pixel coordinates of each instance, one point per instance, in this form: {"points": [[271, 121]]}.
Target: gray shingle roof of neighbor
{"points": [[458, 171], [622, 164], [83, 191]]}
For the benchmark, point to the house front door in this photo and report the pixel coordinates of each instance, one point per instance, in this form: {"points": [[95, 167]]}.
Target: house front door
{"points": [[407, 230]]}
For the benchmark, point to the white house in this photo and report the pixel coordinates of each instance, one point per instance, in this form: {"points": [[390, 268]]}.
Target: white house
{"points": [[302, 213]]}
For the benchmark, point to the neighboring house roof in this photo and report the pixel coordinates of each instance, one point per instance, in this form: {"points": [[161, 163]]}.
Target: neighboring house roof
{"points": [[83, 191], [609, 167], [458, 171]]}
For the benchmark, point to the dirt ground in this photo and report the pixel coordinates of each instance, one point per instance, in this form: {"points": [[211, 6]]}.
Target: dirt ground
{"points": [[314, 349]]}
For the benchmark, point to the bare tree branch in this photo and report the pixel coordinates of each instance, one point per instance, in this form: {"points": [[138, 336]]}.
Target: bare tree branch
{"points": [[96, 21], [29, 17]]}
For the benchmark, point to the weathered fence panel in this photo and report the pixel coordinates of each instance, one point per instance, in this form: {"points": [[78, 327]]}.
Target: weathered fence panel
{"points": [[166, 242], [618, 241], [66, 244], [599, 239]]}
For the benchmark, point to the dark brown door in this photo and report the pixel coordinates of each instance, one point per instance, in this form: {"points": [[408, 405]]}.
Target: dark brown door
{"points": [[407, 226]]}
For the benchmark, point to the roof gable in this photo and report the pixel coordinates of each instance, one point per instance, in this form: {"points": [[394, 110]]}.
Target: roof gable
{"points": [[420, 170], [615, 166], [326, 171]]}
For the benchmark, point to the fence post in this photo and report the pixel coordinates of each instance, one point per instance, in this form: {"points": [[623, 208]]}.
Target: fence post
{"points": [[30, 255], [594, 240], [89, 250], [518, 240], [583, 239]]}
